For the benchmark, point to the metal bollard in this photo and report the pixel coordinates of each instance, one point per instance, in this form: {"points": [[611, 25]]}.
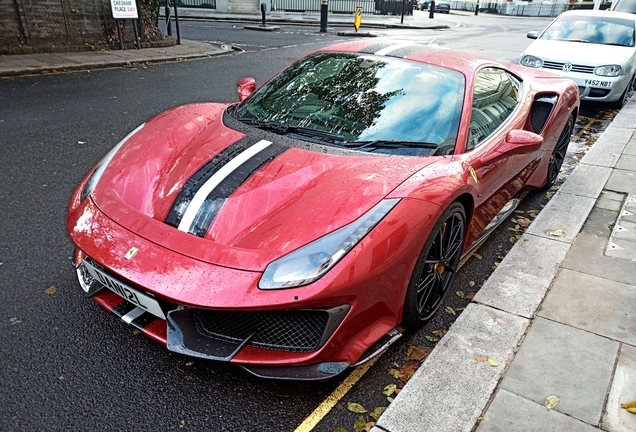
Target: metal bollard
{"points": [[324, 6], [477, 8], [263, 10], [431, 12], [168, 21]]}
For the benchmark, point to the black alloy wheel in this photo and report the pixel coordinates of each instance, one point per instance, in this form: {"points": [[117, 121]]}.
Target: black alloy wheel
{"points": [[436, 267], [558, 155]]}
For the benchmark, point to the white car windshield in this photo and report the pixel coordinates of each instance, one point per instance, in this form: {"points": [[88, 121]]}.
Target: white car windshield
{"points": [[592, 29]]}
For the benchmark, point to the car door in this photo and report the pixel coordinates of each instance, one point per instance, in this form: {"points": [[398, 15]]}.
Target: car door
{"points": [[495, 108]]}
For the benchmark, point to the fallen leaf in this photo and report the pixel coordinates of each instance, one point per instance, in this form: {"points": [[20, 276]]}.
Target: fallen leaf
{"points": [[388, 390], [440, 333], [493, 362], [397, 391], [513, 240], [431, 338], [460, 294], [549, 195], [524, 222], [189, 363], [136, 332], [377, 412], [481, 358], [450, 310], [360, 424], [551, 402], [418, 353], [81, 142], [513, 229], [477, 256], [356, 408], [340, 429], [390, 399], [395, 373], [557, 233], [407, 371], [480, 418], [628, 405], [51, 290], [632, 410], [470, 296], [368, 426], [471, 283]]}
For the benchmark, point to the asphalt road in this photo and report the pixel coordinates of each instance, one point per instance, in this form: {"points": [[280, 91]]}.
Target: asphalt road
{"points": [[67, 364]]}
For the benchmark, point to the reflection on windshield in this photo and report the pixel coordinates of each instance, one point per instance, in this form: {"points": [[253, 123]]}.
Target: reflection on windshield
{"points": [[596, 30], [363, 98]]}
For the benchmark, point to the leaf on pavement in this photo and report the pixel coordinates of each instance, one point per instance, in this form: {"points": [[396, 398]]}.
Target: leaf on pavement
{"points": [[493, 362], [440, 333], [418, 353], [450, 310], [51, 290], [513, 240], [631, 405], [551, 402], [388, 390], [395, 373], [470, 296], [368, 426], [377, 412], [549, 195], [459, 294], [431, 338], [390, 399], [397, 391], [481, 358], [471, 283], [557, 233], [356, 408], [360, 424], [524, 222]]}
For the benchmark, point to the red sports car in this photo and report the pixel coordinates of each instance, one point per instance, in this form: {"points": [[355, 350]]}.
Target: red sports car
{"points": [[291, 233]]}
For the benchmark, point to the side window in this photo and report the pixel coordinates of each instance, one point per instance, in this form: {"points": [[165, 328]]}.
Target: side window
{"points": [[495, 97]]}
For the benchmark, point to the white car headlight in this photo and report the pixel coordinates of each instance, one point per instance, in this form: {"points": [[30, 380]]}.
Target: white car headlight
{"points": [[608, 70], [531, 61], [307, 264], [89, 187]]}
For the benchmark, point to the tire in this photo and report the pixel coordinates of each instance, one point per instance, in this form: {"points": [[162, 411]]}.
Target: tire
{"points": [[558, 154], [623, 99], [435, 267]]}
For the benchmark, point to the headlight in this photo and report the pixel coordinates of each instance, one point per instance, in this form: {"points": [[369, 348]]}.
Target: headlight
{"points": [[531, 61], [307, 264], [608, 70], [101, 166]]}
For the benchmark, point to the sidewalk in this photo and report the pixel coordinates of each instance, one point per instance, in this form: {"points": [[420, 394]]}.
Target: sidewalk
{"points": [[558, 316]]}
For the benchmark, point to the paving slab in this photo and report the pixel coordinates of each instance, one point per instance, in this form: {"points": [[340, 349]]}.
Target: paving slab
{"points": [[617, 419], [630, 148], [605, 153], [627, 161], [586, 180], [553, 219], [610, 201], [558, 360], [622, 181], [512, 413], [587, 256], [600, 222], [520, 289], [625, 118], [594, 304], [449, 391], [614, 135]]}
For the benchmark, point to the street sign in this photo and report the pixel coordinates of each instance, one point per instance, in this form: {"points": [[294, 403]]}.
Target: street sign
{"points": [[358, 19], [124, 9]]}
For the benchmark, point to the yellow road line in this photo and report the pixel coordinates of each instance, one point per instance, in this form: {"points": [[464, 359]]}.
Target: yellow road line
{"points": [[592, 120], [323, 409]]}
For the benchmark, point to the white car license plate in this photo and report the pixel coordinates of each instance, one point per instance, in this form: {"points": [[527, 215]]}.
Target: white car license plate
{"points": [[132, 295], [597, 83]]}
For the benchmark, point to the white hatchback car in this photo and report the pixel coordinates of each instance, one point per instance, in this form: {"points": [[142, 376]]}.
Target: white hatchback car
{"points": [[595, 49]]}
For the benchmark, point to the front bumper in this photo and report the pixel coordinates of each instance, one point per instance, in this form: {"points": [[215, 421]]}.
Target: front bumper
{"points": [[597, 88]]}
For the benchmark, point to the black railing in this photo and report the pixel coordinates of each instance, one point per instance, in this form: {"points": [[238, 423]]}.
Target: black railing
{"points": [[335, 6], [205, 4], [521, 8]]}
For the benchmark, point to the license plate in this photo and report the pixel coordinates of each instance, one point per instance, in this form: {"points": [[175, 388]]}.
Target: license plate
{"points": [[137, 298], [597, 83]]}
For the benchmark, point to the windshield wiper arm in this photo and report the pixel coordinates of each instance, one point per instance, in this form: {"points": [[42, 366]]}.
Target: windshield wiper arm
{"points": [[284, 129], [385, 143]]}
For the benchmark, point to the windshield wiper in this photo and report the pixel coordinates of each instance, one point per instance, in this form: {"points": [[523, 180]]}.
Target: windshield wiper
{"points": [[284, 129], [386, 143], [577, 40]]}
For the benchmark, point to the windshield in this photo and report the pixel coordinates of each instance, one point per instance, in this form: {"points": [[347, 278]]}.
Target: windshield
{"points": [[363, 98], [625, 6], [592, 29]]}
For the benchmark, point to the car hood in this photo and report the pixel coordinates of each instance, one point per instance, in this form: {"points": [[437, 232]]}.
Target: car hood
{"points": [[295, 197], [578, 52]]}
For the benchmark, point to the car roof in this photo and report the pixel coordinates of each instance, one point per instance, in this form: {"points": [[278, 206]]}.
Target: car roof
{"points": [[461, 61]]}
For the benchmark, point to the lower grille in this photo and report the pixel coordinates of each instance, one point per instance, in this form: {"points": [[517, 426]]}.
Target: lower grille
{"points": [[296, 331]]}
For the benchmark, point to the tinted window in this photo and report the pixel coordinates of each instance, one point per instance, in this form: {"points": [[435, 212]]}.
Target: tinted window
{"points": [[626, 6], [592, 29], [495, 98], [363, 98]]}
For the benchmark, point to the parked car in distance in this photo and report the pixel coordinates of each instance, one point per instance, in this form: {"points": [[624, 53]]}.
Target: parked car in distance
{"points": [[628, 6], [422, 5], [595, 49], [441, 7]]}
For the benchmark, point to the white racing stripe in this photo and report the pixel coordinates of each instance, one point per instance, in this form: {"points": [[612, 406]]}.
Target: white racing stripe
{"points": [[218, 177], [133, 315], [387, 50]]}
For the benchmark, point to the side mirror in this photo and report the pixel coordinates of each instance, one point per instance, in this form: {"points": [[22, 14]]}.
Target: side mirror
{"points": [[517, 142], [533, 35], [245, 87]]}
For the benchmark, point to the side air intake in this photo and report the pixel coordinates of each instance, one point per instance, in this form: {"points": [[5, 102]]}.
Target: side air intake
{"points": [[541, 109]]}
